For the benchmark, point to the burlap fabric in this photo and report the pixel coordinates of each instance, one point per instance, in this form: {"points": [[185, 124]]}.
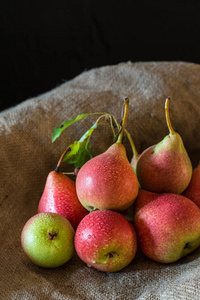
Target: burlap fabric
{"points": [[27, 155]]}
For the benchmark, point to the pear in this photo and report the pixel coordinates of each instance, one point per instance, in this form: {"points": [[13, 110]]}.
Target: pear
{"points": [[167, 227], [108, 181], [165, 167], [106, 241], [143, 198], [59, 196], [193, 190]]}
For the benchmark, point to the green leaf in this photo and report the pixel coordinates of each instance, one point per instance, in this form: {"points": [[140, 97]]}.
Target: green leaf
{"points": [[80, 150], [79, 154], [58, 130], [82, 157], [89, 132], [70, 157]]}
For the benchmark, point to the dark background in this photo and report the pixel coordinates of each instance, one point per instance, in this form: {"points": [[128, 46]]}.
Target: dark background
{"points": [[45, 43]]}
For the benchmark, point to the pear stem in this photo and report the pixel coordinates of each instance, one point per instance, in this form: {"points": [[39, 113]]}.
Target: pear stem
{"points": [[169, 125], [61, 159], [135, 153], [126, 107]]}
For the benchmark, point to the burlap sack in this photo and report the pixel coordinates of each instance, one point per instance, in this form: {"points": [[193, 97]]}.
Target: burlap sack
{"points": [[27, 155]]}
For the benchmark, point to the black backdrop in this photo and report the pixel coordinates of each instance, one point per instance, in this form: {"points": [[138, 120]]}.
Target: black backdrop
{"points": [[45, 43]]}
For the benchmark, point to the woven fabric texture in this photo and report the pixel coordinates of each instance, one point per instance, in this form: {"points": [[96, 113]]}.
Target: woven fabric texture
{"points": [[27, 155]]}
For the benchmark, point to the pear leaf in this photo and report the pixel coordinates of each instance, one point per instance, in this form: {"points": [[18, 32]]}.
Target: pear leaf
{"points": [[79, 154], [83, 156], [80, 150], [58, 130]]}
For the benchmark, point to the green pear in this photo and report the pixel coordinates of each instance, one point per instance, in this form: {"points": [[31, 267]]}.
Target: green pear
{"points": [[48, 240], [108, 181], [165, 167]]}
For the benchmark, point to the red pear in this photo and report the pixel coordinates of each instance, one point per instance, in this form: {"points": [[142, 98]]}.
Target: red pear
{"points": [[193, 190], [59, 196], [106, 241], [168, 227], [143, 198], [165, 167], [108, 181]]}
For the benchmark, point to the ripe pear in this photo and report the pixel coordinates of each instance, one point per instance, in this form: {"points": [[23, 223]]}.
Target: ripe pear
{"points": [[106, 241], [165, 167], [108, 181], [59, 196], [193, 190], [168, 227], [143, 198]]}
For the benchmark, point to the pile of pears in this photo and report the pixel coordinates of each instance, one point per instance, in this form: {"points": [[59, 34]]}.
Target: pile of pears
{"points": [[158, 192]]}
